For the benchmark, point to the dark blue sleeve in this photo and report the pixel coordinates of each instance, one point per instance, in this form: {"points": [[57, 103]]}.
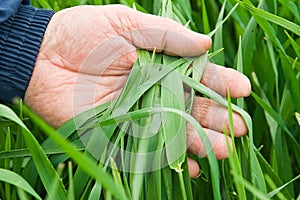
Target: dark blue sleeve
{"points": [[8, 8], [22, 29]]}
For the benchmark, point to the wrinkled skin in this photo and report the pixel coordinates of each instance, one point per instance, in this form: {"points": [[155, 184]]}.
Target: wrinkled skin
{"points": [[88, 52]]}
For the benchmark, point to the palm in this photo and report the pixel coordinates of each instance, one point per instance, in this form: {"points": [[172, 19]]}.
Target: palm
{"points": [[79, 69]]}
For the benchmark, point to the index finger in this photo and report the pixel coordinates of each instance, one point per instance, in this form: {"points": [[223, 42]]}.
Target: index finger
{"points": [[162, 34]]}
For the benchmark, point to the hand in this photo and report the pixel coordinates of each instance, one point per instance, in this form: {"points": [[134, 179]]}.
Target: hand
{"points": [[88, 52]]}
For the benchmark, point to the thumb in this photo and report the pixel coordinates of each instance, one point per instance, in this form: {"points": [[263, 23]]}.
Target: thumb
{"points": [[162, 34]]}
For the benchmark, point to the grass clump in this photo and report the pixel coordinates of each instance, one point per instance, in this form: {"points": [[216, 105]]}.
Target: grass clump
{"points": [[137, 155]]}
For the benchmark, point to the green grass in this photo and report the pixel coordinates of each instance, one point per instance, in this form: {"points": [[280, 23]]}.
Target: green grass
{"points": [[258, 38]]}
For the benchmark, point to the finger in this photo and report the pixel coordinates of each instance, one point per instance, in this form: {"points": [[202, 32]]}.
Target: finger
{"points": [[215, 116], [152, 32], [221, 79], [218, 142], [194, 169]]}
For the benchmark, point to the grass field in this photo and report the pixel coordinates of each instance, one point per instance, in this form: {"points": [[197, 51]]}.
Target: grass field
{"points": [[258, 38]]}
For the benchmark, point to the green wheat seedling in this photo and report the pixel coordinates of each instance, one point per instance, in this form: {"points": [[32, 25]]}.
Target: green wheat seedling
{"points": [[100, 149]]}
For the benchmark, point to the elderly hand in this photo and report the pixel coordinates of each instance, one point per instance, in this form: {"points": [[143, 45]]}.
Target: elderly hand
{"points": [[88, 52]]}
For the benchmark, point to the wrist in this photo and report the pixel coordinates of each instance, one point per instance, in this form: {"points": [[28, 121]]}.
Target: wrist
{"points": [[20, 39]]}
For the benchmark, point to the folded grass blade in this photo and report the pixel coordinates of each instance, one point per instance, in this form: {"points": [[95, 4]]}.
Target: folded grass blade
{"points": [[174, 127]]}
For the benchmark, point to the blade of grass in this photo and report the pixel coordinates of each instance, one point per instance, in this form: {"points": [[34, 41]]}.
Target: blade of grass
{"points": [[271, 122], [239, 68], [291, 79], [288, 72], [185, 9], [71, 126], [297, 115], [153, 179], [174, 127], [256, 192], [167, 9], [224, 20], [216, 97], [168, 185], [233, 157], [71, 193], [19, 153], [154, 183], [95, 192], [129, 96], [282, 155], [274, 115], [45, 4], [182, 186], [198, 67], [16, 180], [273, 186], [117, 177], [187, 180], [270, 17], [295, 45], [267, 169], [279, 121], [205, 20], [275, 191], [248, 45], [7, 162], [240, 17], [145, 132], [51, 194], [84, 162], [150, 111], [130, 3], [218, 38], [180, 18], [274, 67], [46, 171], [18, 161], [139, 163], [206, 91], [22, 195]]}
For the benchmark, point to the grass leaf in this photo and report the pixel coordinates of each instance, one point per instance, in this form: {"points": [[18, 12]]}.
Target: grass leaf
{"points": [[297, 117], [16, 180], [43, 165], [270, 17], [274, 192], [84, 162]]}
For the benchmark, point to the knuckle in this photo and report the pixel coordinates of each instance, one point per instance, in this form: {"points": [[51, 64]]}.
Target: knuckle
{"points": [[201, 109]]}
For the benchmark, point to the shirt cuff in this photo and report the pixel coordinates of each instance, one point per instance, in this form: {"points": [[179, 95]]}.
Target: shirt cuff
{"points": [[20, 39]]}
